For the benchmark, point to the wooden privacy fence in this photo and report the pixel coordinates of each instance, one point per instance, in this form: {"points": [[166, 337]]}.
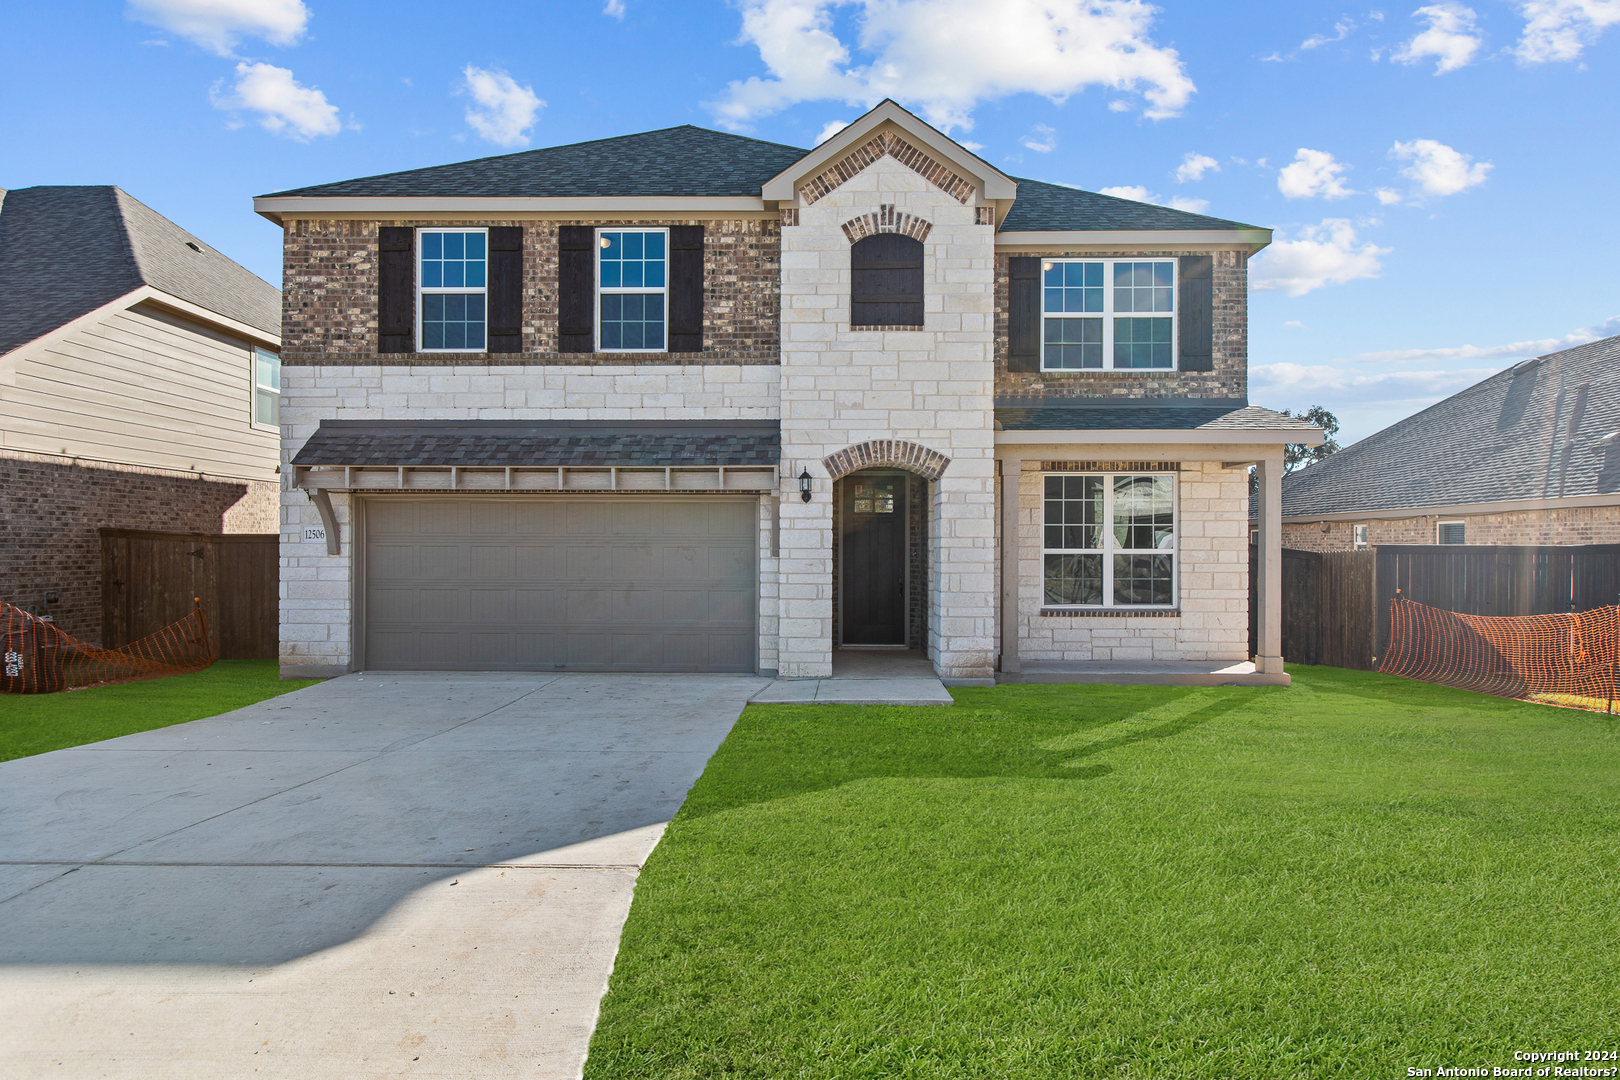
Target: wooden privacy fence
{"points": [[1335, 604], [148, 580]]}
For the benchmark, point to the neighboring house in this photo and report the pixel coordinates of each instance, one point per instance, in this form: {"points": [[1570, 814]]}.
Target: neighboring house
{"points": [[688, 401], [138, 390], [1530, 455]]}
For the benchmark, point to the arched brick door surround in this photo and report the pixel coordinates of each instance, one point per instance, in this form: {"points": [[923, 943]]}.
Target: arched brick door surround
{"points": [[877, 453]]}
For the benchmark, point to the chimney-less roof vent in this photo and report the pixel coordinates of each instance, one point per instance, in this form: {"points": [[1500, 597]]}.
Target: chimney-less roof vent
{"points": [[194, 247]]}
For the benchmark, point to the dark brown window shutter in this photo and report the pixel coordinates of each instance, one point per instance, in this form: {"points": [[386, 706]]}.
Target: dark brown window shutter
{"points": [[685, 288], [886, 281], [396, 289], [1023, 314], [506, 288], [576, 289], [1195, 313]]}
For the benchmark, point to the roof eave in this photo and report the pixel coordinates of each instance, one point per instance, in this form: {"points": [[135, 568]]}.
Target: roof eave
{"points": [[278, 207], [1252, 239]]}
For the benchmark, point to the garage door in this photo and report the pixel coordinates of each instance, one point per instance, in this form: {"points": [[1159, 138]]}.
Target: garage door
{"points": [[619, 583]]}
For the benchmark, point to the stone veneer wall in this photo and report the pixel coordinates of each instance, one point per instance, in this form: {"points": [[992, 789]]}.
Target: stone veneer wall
{"points": [[329, 303], [843, 386], [1212, 544], [1573, 526], [316, 588], [1230, 379], [51, 509]]}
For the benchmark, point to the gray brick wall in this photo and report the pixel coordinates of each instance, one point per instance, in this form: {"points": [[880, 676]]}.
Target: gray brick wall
{"points": [[51, 509], [329, 298]]}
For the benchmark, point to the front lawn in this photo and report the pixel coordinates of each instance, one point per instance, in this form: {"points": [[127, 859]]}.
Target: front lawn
{"points": [[1352, 876], [35, 723]]}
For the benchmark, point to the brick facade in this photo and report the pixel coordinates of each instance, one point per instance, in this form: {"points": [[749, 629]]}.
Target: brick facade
{"points": [[1573, 525], [329, 307], [51, 509], [1230, 379]]}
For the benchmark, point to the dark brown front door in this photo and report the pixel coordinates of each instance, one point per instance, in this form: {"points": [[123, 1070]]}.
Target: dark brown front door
{"points": [[874, 560]]}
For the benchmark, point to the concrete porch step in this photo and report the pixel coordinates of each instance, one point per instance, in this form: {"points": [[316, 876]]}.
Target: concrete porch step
{"points": [[1144, 673]]}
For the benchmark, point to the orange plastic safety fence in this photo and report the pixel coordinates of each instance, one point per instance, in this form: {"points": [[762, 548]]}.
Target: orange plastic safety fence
{"points": [[40, 659], [1567, 659]]}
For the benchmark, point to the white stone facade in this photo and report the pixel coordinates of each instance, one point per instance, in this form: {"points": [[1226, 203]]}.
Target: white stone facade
{"points": [[933, 387]]}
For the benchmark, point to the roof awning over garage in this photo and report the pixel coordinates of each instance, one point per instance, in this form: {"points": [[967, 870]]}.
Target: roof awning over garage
{"points": [[541, 455]]}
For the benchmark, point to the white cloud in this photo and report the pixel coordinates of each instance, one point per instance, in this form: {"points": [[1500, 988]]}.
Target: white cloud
{"points": [[502, 111], [832, 128], [614, 9], [1047, 141], [1451, 38], [1314, 172], [1341, 30], [1342, 387], [218, 25], [1437, 168], [1119, 106], [1509, 351], [1560, 29], [1325, 254], [284, 107], [1388, 196], [1138, 193], [1194, 166], [1296, 323], [946, 56]]}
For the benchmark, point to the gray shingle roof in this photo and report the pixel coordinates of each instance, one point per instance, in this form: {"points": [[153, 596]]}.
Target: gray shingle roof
{"points": [[542, 443], [1043, 207], [1148, 415], [1530, 432], [65, 251], [679, 161]]}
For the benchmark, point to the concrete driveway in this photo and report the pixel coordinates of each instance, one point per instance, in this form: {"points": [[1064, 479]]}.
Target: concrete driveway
{"points": [[382, 875]]}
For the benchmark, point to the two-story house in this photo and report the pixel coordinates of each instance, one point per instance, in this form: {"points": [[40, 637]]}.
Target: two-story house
{"points": [[688, 401], [139, 389]]}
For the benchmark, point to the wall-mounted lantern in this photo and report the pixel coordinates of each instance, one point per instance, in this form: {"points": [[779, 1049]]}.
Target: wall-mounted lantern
{"points": [[804, 485]]}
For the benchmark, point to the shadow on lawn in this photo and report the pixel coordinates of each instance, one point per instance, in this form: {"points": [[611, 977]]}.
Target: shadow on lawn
{"points": [[1047, 732]]}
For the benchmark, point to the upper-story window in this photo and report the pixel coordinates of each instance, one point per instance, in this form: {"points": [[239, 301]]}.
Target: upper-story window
{"points": [[266, 388], [1108, 314], [453, 277], [886, 281], [632, 289]]}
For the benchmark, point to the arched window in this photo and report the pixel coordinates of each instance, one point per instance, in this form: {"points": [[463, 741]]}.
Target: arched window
{"points": [[886, 273]]}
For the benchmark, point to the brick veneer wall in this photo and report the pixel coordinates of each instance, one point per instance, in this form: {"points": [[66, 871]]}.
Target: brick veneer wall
{"points": [[329, 298], [1575, 525], [51, 509], [1230, 379]]}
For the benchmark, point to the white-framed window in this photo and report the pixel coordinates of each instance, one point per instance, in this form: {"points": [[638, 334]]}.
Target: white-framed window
{"points": [[266, 388], [1449, 532], [1108, 314], [1359, 535], [1109, 540], [632, 290], [452, 273]]}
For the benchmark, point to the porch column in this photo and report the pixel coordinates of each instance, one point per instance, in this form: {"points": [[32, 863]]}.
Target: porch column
{"points": [[1011, 471], [1269, 659]]}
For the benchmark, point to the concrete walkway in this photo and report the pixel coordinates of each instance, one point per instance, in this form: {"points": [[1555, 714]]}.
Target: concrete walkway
{"points": [[865, 677], [383, 875]]}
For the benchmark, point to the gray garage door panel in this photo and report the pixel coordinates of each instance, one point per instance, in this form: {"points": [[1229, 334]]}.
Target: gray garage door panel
{"points": [[561, 584]]}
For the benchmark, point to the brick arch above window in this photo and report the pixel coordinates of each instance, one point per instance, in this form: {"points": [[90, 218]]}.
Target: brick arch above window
{"points": [[887, 220], [879, 453], [887, 143]]}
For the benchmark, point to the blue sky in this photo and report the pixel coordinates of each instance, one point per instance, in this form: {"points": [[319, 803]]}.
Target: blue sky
{"points": [[1439, 175]]}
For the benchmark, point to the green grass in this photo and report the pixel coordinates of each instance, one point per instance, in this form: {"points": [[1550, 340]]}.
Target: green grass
{"points": [[1347, 877], [35, 723]]}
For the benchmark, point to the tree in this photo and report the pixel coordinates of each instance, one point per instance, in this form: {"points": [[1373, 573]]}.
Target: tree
{"points": [[1298, 455]]}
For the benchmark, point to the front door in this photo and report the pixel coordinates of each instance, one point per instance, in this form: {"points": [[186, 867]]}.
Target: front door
{"points": [[874, 559]]}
